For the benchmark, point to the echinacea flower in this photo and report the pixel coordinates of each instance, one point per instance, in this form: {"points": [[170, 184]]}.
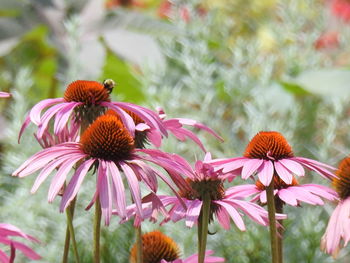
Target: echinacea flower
{"points": [[87, 100], [205, 181], [338, 228], [159, 248], [341, 9], [107, 145], [269, 154], [4, 94], [8, 230], [292, 194]]}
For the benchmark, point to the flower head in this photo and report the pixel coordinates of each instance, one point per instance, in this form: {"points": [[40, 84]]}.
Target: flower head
{"points": [[269, 154], [8, 230], [159, 248], [84, 101], [204, 182], [107, 145], [339, 223]]}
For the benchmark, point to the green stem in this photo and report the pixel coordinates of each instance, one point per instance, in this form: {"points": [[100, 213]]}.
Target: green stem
{"points": [[97, 230], [205, 213], [69, 213], [139, 244], [272, 219], [67, 239], [279, 209]]}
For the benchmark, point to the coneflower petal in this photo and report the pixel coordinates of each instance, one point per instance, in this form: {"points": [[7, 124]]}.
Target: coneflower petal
{"points": [[236, 217], [119, 189], [105, 192], [75, 183], [250, 167], [265, 172], [193, 212], [283, 173]]}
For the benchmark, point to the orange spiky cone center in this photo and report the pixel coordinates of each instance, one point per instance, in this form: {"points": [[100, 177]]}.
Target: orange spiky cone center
{"points": [[268, 145], [342, 183], [106, 138], [87, 92], [155, 247]]}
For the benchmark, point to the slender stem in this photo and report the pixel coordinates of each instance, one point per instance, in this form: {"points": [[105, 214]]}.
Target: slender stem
{"points": [[66, 246], [71, 233], [97, 230], [139, 244], [280, 230], [204, 227], [67, 239], [272, 219]]}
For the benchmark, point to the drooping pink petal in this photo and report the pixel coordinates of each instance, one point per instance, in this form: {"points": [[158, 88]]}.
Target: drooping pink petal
{"points": [[4, 94], [142, 127], [288, 197], [283, 172], [47, 117], [293, 166], [35, 113], [236, 217], [250, 167], [305, 196], [155, 137], [133, 185], [75, 183], [27, 251], [105, 192], [234, 164], [63, 116], [241, 191], [265, 172], [119, 189], [182, 133], [193, 212], [321, 191], [223, 218], [61, 175]]}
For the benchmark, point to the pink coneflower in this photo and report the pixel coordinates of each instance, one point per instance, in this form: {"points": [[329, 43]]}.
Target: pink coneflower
{"points": [[269, 153], [292, 194], [107, 145], [339, 223], [341, 9], [87, 100], [159, 248], [7, 230], [205, 181], [4, 94]]}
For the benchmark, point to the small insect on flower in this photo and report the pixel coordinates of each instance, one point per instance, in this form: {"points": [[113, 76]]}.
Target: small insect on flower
{"points": [[109, 84]]}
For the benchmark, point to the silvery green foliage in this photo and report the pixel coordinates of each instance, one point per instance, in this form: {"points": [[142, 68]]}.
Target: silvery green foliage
{"points": [[240, 95]]}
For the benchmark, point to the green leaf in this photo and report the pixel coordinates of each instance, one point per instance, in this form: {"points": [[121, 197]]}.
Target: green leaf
{"points": [[128, 87], [294, 88], [326, 82]]}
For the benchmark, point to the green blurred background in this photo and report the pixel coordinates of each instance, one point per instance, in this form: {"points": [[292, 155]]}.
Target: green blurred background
{"points": [[238, 66]]}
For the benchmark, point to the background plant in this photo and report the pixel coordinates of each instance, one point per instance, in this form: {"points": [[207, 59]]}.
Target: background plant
{"points": [[239, 68]]}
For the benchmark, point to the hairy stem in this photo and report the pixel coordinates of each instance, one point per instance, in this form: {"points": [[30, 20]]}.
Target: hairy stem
{"points": [[139, 244], [272, 219], [280, 230], [97, 230], [71, 233], [67, 239], [205, 213]]}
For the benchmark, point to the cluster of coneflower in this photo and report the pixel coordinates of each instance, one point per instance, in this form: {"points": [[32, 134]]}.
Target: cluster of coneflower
{"points": [[86, 136]]}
